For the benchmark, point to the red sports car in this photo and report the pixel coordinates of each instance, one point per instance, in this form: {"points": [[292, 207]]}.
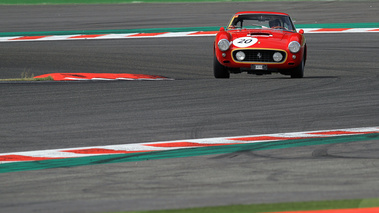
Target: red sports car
{"points": [[260, 43]]}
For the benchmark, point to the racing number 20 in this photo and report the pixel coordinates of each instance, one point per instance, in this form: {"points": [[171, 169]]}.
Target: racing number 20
{"points": [[245, 41]]}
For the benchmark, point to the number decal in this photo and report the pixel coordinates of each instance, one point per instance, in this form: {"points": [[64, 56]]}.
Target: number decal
{"points": [[244, 41]]}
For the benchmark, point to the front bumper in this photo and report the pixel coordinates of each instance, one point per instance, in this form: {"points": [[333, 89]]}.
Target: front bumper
{"points": [[257, 57]]}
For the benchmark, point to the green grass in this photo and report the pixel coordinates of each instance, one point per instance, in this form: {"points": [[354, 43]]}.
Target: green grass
{"points": [[27, 76], [278, 207], [28, 79]]}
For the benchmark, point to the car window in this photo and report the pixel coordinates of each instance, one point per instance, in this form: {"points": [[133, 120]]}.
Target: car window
{"points": [[252, 21]]}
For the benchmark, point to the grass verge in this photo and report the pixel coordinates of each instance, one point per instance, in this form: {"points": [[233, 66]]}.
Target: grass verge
{"points": [[121, 1], [279, 207], [29, 79], [27, 76]]}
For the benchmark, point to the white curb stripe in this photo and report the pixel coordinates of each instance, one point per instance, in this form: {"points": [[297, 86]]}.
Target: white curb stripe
{"points": [[177, 144]]}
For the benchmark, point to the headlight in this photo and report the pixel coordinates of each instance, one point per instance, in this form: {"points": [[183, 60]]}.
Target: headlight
{"points": [[240, 55], [277, 56], [294, 47], [223, 44]]}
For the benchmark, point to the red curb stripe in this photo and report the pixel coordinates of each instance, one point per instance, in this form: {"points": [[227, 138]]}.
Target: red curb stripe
{"points": [[375, 30], [266, 138], [204, 33], [101, 151], [28, 38], [331, 29], [85, 36], [23, 158], [355, 210], [186, 144], [90, 76], [146, 34]]}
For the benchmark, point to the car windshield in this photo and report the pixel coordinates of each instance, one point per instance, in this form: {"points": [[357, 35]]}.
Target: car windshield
{"points": [[261, 21]]}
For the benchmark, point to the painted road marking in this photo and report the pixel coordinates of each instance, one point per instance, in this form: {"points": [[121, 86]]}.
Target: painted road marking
{"points": [[100, 76], [165, 34], [172, 145]]}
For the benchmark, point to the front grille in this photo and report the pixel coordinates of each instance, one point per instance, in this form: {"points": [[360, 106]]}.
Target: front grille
{"points": [[262, 56]]}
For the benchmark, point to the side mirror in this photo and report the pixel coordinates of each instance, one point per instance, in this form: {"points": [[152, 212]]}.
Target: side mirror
{"points": [[301, 31]]}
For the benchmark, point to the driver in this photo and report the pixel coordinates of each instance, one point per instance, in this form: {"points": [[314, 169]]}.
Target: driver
{"points": [[274, 23]]}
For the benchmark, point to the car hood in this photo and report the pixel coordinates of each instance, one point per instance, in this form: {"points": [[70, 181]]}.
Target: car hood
{"points": [[252, 37]]}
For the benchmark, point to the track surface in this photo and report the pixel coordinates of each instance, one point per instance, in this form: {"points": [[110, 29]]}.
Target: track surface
{"points": [[340, 90]]}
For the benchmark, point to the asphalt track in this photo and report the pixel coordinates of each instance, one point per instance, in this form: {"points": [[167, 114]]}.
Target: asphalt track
{"points": [[340, 90]]}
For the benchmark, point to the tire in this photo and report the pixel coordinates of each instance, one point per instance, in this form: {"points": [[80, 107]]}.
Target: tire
{"points": [[219, 70], [298, 72]]}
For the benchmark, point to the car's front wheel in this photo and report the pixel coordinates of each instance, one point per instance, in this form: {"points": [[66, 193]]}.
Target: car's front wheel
{"points": [[219, 70], [298, 72]]}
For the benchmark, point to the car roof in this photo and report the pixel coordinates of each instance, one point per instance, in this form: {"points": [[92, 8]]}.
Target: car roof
{"points": [[261, 12]]}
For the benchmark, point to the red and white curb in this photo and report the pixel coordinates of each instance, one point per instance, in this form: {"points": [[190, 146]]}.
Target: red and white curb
{"points": [[100, 77], [107, 36], [341, 30], [165, 34], [173, 145]]}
